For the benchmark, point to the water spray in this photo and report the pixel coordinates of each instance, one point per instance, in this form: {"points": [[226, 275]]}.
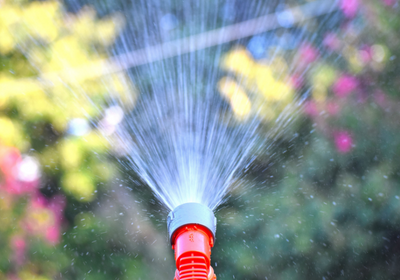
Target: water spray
{"points": [[191, 229]]}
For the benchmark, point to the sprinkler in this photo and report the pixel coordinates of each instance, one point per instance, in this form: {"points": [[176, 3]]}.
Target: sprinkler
{"points": [[191, 229]]}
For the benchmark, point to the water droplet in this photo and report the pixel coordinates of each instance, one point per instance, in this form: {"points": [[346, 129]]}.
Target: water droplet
{"points": [[78, 127], [169, 22], [285, 17]]}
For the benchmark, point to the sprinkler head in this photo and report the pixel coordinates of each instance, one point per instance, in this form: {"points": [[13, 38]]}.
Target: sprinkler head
{"points": [[191, 229]]}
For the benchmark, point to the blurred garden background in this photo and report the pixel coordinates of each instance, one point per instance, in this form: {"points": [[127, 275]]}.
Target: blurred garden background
{"points": [[324, 203]]}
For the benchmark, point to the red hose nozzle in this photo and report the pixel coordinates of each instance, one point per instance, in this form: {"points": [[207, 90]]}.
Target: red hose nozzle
{"points": [[191, 228], [192, 244]]}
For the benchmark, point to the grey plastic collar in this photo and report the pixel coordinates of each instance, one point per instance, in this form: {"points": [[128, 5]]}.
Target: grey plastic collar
{"points": [[191, 213]]}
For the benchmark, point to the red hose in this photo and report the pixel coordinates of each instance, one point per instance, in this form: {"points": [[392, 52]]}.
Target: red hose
{"points": [[192, 245]]}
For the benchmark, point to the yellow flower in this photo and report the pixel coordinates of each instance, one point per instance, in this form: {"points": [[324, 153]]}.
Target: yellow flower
{"points": [[17, 87], [28, 275], [39, 218], [83, 25], [263, 76], [105, 30], [95, 142], [319, 93], [355, 62], [11, 134], [49, 158], [239, 61], [277, 91], [59, 119], [56, 81], [66, 53], [227, 87], [71, 153], [279, 65], [9, 15], [265, 81], [271, 89], [41, 19], [79, 185], [240, 104], [322, 78], [7, 42], [236, 96], [34, 104]]}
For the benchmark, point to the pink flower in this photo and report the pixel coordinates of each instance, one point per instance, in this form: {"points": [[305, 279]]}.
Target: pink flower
{"points": [[297, 81], [308, 53], [389, 3], [15, 169], [344, 85], [381, 98], [44, 217], [38, 201], [57, 205], [18, 245], [14, 186], [349, 7], [332, 108], [53, 234], [311, 108], [366, 54], [331, 41], [9, 158], [12, 276], [343, 141]]}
